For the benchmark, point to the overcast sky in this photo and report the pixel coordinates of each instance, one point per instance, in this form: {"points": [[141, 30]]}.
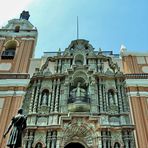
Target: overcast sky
{"points": [[105, 23]]}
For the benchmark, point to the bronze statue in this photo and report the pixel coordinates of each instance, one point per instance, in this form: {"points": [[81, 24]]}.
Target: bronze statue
{"points": [[18, 123]]}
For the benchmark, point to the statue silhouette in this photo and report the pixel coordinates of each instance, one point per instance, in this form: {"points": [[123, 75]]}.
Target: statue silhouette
{"points": [[18, 124]]}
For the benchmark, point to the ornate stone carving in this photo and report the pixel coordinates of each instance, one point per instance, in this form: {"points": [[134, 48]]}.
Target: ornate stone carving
{"points": [[42, 121]]}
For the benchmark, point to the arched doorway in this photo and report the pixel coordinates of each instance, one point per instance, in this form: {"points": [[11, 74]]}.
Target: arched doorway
{"points": [[74, 145]]}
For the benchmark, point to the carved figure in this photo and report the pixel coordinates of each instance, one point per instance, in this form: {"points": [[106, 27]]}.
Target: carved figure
{"points": [[111, 98], [18, 123], [78, 92], [44, 100]]}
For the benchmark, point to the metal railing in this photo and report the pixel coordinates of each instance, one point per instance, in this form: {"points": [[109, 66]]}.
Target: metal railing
{"points": [[80, 99]]}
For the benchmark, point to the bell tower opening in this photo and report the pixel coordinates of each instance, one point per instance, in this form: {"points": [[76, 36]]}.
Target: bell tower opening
{"points": [[74, 145]]}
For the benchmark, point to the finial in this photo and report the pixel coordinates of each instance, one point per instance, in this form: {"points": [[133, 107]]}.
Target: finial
{"points": [[59, 50], [123, 48], [25, 15], [100, 51]]}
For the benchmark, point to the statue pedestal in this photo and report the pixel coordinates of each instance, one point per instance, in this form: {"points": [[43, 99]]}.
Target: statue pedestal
{"points": [[44, 109], [79, 107]]}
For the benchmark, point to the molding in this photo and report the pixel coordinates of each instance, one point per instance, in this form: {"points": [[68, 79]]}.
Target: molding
{"points": [[132, 53], [11, 93], [138, 94], [20, 34], [2, 38], [137, 82], [14, 82], [27, 38]]}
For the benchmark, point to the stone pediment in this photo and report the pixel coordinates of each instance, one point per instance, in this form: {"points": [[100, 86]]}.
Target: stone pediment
{"points": [[79, 45]]}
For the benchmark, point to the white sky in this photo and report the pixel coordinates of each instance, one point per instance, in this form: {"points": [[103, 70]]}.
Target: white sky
{"points": [[11, 8]]}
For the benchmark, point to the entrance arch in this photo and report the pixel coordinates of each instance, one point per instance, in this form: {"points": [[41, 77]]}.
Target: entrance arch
{"points": [[74, 145]]}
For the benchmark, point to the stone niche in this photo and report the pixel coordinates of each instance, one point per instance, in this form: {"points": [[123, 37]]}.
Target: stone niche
{"points": [[79, 100]]}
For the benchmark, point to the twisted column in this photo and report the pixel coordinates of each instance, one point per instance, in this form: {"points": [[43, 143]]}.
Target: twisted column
{"points": [[36, 97], [53, 96], [32, 97], [57, 96]]}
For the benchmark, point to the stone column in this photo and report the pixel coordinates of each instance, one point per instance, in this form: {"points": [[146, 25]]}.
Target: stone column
{"points": [[32, 97], [58, 140], [53, 144], [57, 96], [107, 101], [63, 65], [104, 142], [132, 143], [119, 95], [124, 97], [99, 141], [40, 95], [109, 142], [126, 142], [59, 66], [104, 98], [48, 139], [100, 96], [53, 96], [64, 96], [25, 139], [93, 97], [30, 140], [49, 99], [36, 97]]}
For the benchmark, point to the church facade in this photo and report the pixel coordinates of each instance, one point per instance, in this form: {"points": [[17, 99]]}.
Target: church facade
{"points": [[78, 99]]}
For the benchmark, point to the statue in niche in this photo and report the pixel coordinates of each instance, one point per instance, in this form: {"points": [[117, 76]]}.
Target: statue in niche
{"points": [[18, 124], [78, 93], [111, 98], [44, 99]]}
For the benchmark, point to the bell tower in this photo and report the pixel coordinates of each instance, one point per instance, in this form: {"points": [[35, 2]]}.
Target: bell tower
{"points": [[17, 43]]}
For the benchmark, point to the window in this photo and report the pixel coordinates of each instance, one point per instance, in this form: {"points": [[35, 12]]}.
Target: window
{"points": [[9, 52], [17, 29], [117, 145], [38, 145]]}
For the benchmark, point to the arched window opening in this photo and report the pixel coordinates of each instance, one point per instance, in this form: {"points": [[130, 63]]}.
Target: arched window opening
{"points": [[17, 29], [39, 145], [117, 145], [74, 145], [45, 95], [79, 59], [111, 97], [9, 51]]}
